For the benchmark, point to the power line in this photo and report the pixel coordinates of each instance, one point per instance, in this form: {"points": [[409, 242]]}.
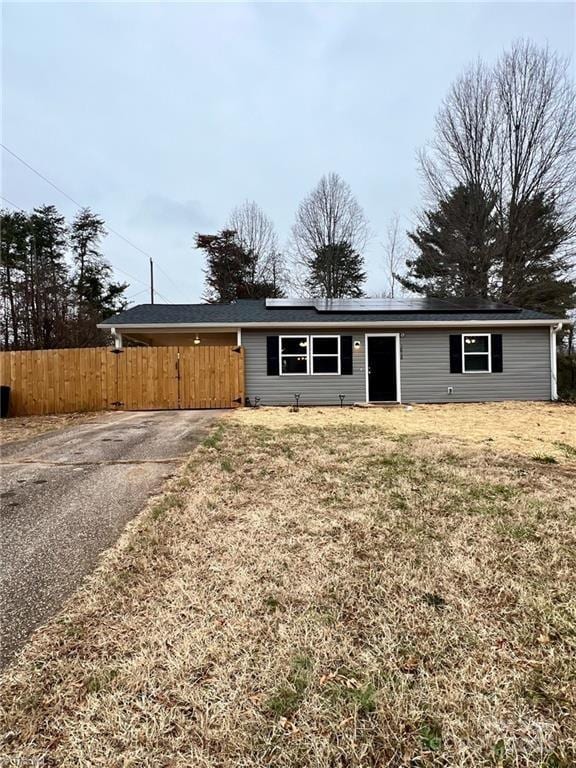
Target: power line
{"points": [[79, 205], [178, 288], [134, 295], [11, 203]]}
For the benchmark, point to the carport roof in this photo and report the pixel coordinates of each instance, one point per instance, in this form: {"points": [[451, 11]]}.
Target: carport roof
{"points": [[246, 312]]}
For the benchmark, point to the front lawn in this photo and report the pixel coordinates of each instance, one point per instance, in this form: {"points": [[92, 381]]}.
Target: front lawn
{"points": [[322, 592]]}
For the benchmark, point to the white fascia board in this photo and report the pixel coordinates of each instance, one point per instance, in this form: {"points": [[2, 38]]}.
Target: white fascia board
{"points": [[334, 325]]}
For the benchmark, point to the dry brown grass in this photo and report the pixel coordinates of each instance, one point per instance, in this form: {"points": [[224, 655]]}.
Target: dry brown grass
{"points": [[23, 427], [527, 428], [338, 596]]}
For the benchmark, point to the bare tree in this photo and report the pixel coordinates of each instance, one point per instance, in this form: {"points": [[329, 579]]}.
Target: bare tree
{"points": [[329, 215], [255, 234], [329, 220], [461, 153], [395, 253], [509, 131], [535, 149]]}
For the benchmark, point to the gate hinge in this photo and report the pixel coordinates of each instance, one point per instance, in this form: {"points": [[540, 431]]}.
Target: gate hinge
{"points": [[116, 351], [237, 400], [237, 349]]}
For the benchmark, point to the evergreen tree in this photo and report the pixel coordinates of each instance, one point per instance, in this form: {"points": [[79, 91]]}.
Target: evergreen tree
{"points": [[336, 271], [48, 277], [231, 273], [14, 252], [461, 252], [458, 247], [535, 270], [86, 232], [95, 294], [55, 284], [227, 267]]}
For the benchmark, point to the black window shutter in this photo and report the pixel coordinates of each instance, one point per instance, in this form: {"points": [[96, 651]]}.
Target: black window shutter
{"points": [[456, 353], [346, 355], [273, 355], [496, 347]]}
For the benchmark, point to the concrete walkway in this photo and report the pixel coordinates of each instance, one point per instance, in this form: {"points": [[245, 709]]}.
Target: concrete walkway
{"points": [[66, 496]]}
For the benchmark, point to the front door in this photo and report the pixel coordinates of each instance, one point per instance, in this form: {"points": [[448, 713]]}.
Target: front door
{"points": [[382, 373]]}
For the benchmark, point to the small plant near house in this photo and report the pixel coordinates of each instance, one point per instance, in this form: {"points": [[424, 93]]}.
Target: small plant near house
{"points": [[213, 440], [545, 459], [288, 697], [569, 450], [349, 687], [167, 502], [431, 736], [98, 682], [227, 465]]}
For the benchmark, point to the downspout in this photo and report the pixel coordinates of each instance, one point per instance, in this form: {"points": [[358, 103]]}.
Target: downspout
{"points": [[554, 362]]}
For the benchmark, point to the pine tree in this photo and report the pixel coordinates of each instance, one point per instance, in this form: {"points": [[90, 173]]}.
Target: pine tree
{"points": [[537, 263], [458, 245], [47, 277], [461, 252], [86, 232], [336, 271], [14, 253], [48, 299], [228, 265]]}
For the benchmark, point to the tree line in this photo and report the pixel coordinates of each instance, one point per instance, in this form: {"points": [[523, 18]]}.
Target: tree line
{"points": [[55, 283], [499, 222], [499, 177]]}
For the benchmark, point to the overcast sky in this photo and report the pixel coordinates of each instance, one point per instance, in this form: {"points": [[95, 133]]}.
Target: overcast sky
{"points": [[163, 117]]}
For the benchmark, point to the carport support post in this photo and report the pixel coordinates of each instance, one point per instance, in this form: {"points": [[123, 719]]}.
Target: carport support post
{"points": [[117, 338], [554, 362]]}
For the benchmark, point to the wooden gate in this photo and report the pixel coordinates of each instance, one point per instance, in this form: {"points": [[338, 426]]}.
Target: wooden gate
{"points": [[135, 378], [151, 378]]}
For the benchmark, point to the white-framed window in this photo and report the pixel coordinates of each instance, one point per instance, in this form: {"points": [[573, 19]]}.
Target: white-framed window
{"points": [[293, 355], [325, 351], [476, 353], [309, 355]]}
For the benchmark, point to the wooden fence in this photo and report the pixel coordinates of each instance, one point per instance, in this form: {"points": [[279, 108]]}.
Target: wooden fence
{"points": [[136, 378]]}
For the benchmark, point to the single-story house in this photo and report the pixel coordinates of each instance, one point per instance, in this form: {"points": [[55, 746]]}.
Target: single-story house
{"points": [[368, 350]]}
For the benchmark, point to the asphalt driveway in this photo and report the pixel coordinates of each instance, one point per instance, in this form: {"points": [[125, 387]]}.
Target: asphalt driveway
{"points": [[66, 496]]}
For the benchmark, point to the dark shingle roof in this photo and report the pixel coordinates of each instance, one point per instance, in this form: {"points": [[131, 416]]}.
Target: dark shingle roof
{"points": [[248, 311]]}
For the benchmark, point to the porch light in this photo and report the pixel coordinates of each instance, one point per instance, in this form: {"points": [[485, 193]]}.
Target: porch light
{"points": [[357, 344], [197, 340]]}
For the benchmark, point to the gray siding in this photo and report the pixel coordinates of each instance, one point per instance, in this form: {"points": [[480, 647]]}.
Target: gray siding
{"points": [[424, 370]]}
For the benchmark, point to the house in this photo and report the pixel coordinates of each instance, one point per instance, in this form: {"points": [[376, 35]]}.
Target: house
{"points": [[417, 350]]}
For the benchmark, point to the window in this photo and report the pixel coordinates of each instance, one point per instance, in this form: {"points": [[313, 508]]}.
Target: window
{"points": [[325, 355], [476, 353], [303, 355], [293, 355]]}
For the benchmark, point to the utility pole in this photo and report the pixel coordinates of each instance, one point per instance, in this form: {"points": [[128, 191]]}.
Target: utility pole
{"points": [[151, 281]]}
